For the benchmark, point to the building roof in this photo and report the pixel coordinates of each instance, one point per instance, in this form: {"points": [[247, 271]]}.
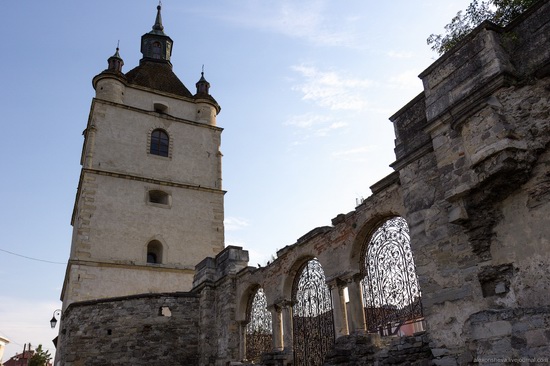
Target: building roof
{"points": [[158, 76]]}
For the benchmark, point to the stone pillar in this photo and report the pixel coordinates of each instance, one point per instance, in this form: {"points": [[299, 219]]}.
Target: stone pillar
{"points": [[356, 314], [286, 307], [339, 308], [242, 340], [277, 329], [90, 146]]}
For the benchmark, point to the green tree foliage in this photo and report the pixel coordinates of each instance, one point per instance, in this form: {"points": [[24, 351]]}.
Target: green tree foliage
{"points": [[40, 357], [500, 12]]}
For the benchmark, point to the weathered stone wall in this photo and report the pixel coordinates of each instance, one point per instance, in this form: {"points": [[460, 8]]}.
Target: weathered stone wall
{"points": [[371, 349], [150, 329], [472, 182], [513, 335], [215, 283]]}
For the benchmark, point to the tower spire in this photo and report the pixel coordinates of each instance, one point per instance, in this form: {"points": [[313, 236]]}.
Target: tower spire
{"points": [[115, 62], [158, 27], [156, 45], [203, 86]]}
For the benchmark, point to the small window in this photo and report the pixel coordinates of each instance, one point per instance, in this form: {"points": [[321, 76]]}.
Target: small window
{"points": [[160, 107], [159, 143], [156, 50], [159, 197], [154, 252]]}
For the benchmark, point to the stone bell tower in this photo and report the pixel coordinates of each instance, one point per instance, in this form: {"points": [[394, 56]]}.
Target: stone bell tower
{"points": [[149, 204]]}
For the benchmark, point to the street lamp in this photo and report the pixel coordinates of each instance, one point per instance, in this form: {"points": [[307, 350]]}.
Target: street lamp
{"points": [[56, 314]]}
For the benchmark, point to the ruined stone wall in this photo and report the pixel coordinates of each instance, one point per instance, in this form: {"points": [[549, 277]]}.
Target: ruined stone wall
{"points": [[371, 349], [473, 176], [149, 329], [482, 245], [215, 284]]}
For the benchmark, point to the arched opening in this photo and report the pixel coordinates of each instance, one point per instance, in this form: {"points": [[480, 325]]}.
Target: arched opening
{"points": [[160, 142], [154, 252], [391, 294], [313, 324], [259, 333], [157, 48]]}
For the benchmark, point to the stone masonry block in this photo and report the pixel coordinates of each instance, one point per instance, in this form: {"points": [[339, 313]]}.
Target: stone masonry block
{"points": [[494, 329]]}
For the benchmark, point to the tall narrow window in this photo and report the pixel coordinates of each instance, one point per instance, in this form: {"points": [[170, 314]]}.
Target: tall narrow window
{"points": [[156, 50], [154, 252], [159, 143]]}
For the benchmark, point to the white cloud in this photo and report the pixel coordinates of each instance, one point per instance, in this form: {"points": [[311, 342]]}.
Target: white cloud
{"points": [[311, 124], [331, 90], [334, 126], [306, 19], [406, 80], [355, 154], [307, 120], [235, 223], [400, 54]]}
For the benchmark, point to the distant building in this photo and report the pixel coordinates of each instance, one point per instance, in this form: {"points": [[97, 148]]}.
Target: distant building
{"points": [[3, 342], [21, 359]]}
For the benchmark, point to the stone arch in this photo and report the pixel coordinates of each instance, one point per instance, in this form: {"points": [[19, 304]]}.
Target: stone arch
{"points": [[292, 273], [391, 292], [244, 300], [313, 322], [366, 231], [160, 246], [259, 326], [154, 252]]}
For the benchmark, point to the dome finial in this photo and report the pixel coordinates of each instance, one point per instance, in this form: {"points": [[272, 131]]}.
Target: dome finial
{"points": [[115, 62], [158, 21], [203, 86]]}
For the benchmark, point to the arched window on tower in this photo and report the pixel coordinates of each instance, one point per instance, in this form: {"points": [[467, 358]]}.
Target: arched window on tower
{"points": [[156, 50], [160, 142], [154, 252]]}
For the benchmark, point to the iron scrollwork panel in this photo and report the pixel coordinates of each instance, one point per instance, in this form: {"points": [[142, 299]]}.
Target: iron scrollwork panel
{"points": [[259, 334], [313, 323], [390, 286]]}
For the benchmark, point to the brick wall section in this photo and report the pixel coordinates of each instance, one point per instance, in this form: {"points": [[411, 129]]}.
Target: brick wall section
{"points": [[155, 329]]}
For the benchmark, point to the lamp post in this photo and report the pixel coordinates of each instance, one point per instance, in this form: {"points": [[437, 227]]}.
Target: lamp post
{"points": [[56, 314]]}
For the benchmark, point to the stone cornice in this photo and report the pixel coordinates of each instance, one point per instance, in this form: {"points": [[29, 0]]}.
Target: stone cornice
{"points": [[159, 115], [140, 267]]}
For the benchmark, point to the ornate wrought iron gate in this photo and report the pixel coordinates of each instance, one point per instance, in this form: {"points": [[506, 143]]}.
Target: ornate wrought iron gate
{"points": [[259, 332], [390, 287], [313, 324]]}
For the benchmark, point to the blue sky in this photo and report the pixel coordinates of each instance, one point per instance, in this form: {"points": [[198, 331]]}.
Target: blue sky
{"points": [[306, 89]]}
